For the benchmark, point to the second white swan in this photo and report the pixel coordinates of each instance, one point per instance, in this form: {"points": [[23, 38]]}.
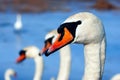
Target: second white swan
{"points": [[33, 52], [65, 56]]}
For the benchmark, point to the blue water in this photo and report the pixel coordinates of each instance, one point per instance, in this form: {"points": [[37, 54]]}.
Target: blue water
{"points": [[36, 26]]}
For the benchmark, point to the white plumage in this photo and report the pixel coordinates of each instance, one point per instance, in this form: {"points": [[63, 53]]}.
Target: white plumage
{"points": [[9, 72], [116, 77], [89, 32], [18, 23]]}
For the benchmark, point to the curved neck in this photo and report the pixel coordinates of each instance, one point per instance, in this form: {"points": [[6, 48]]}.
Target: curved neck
{"points": [[92, 61], [38, 68], [65, 63]]}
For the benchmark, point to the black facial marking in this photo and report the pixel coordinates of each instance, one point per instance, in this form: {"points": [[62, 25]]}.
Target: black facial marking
{"points": [[22, 52], [62, 34], [48, 40], [71, 26]]}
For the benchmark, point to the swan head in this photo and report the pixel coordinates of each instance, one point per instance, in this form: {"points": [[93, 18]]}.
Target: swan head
{"points": [[84, 28], [49, 40], [28, 52], [10, 72]]}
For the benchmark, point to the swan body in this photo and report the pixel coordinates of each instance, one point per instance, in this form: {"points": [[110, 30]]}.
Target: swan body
{"points": [[18, 23], [116, 77], [9, 73], [33, 52], [87, 29], [65, 56]]}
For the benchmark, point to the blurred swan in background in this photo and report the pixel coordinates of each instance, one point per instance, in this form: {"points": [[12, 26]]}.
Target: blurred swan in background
{"points": [[18, 23], [83, 28], [32, 52], [9, 72], [65, 56]]}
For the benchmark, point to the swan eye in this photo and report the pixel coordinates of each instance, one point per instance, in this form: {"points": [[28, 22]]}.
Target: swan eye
{"points": [[22, 52]]}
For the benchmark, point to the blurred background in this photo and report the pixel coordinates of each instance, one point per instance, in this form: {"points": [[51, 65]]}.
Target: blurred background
{"points": [[38, 17]]}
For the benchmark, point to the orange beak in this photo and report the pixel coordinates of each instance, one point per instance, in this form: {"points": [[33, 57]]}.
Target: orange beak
{"points": [[66, 39], [20, 58]]}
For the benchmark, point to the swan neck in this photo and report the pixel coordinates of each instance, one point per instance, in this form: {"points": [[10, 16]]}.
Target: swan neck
{"points": [[7, 77], [38, 68], [92, 61], [65, 63]]}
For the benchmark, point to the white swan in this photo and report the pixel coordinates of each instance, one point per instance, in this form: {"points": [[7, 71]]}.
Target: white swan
{"points": [[9, 72], [84, 28], [18, 23], [65, 56], [33, 52], [116, 77]]}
